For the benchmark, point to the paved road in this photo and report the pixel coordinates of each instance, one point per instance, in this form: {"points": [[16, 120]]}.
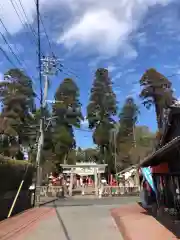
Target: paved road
{"points": [[80, 219]]}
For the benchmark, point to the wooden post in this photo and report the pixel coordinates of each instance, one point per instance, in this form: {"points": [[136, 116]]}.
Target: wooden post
{"points": [[137, 179]]}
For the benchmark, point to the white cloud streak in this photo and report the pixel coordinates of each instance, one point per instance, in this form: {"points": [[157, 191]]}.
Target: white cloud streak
{"points": [[103, 26]]}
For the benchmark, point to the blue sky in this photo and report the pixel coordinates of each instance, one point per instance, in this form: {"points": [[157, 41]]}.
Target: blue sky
{"points": [[127, 37]]}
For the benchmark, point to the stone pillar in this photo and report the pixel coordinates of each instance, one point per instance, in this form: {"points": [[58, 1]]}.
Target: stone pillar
{"points": [[99, 179], [71, 182], [96, 181]]}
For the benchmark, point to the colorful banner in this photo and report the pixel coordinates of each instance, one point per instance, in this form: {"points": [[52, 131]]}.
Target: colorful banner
{"points": [[146, 172]]}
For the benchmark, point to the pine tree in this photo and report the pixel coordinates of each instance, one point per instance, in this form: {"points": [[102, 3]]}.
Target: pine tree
{"points": [[102, 103], [101, 108], [17, 97], [156, 91], [67, 112], [126, 135]]}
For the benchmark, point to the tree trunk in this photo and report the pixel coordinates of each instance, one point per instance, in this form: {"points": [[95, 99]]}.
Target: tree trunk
{"points": [[158, 116]]}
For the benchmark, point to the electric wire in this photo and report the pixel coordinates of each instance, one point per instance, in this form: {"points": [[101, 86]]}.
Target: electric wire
{"points": [[7, 57], [27, 20], [8, 33], [10, 48], [39, 52], [33, 42], [44, 28], [22, 63]]}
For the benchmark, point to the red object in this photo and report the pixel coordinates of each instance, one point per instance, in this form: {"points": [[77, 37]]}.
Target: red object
{"points": [[147, 186], [90, 182], [114, 183], [161, 168]]}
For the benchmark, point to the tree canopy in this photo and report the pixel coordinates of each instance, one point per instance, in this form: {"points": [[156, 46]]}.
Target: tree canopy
{"points": [[101, 109], [157, 91], [120, 141]]}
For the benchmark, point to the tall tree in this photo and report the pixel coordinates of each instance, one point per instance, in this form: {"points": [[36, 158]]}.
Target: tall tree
{"points": [[156, 91], [67, 112], [126, 135], [17, 97], [33, 134], [145, 141], [101, 108]]}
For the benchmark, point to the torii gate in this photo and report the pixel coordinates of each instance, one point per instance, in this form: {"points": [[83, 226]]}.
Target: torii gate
{"points": [[91, 169]]}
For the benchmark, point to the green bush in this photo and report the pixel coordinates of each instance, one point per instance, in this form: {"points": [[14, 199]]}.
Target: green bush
{"points": [[12, 173]]}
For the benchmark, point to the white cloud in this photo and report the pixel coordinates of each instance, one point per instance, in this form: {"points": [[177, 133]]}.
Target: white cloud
{"points": [[91, 25], [117, 76], [105, 26], [9, 10], [111, 68], [102, 27], [11, 19]]}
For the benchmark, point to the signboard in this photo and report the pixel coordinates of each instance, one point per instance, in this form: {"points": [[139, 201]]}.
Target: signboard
{"points": [[84, 171]]}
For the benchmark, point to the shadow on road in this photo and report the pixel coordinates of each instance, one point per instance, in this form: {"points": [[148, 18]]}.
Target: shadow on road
{"points": [[61, 222]]}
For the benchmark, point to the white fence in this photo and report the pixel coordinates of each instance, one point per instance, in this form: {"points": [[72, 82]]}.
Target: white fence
{"points": [[118, 191], [104, 191], [51, 191]]}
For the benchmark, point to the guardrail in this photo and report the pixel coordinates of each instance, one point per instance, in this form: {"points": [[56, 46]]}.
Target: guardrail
{"points": [[168, 192]]}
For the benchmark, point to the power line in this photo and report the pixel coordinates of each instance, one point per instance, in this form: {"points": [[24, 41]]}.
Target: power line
{"points": [[20, 60], [43, 25], [30, 39], [32, 29], [137, 82], [27, 20], [50, 46], [69, 74], [7, 57], [8, 33], [39, 51], [10, 48]]}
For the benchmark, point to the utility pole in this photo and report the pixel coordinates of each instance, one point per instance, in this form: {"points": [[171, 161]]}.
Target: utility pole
{"points": [[134, 135], [115, 151], [114, 133], [49, 67]]}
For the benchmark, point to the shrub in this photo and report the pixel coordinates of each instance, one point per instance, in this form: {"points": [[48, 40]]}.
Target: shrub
{"points": [[12, 173]]}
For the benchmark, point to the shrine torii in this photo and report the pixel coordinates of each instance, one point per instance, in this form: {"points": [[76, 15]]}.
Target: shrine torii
{"points": [[96, 169]]}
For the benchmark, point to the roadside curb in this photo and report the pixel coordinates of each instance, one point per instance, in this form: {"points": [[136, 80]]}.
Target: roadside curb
{"points": [[135, 223], [12, 227], [46, 202]]}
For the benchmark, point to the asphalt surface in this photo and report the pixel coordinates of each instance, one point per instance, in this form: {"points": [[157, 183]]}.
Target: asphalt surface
{"points": [[79, 219], [92, 201]]}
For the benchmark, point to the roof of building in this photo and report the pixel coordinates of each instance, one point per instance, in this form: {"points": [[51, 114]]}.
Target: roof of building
{"points": [[164, 147], [156, 157]]}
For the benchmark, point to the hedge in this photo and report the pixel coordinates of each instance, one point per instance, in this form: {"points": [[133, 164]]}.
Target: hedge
{"points": [[12, 173]]}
